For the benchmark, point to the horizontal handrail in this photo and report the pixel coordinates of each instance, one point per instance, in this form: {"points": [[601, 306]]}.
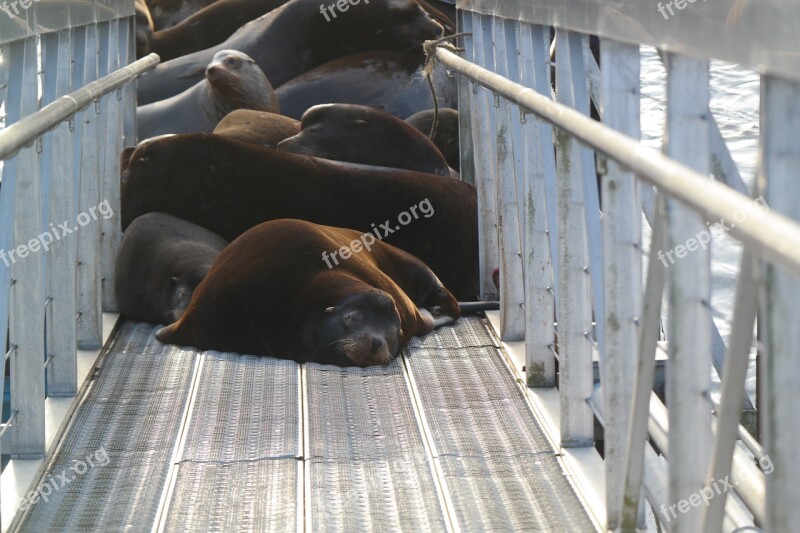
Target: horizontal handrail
{"points": [[771, 235], [27, 130]]}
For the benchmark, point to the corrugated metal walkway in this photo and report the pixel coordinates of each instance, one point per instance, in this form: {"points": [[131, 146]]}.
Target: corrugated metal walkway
{"points": [[442, 439]]}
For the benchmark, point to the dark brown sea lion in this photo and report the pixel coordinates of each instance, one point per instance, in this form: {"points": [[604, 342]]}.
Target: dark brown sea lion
{"points": [[228, 186], [144, 28], [167, 13], [208, 27], [233, 81], [391, 81], [361, 134], [271, 293], [160, 262], [257, 127], [446, 138], [295, 38]]}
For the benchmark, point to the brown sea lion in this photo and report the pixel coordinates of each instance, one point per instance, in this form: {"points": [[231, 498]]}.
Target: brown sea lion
{"points": [[296, 37], [233, 81], [446, 138], [160, 262], [229, 186], [387, 80], [208, 27], [361, 134], [257, 127], [167, 13], [144, 28], [271, 293]]}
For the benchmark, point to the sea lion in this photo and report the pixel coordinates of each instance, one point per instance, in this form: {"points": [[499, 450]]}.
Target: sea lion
{"points": [[233, 81], [446, 138], [160, 262], [167, 13], [257, 127], [208, 27], [144, 28], [387, 80], [295, 38], [361, 134], [271, 293], [229, 186]]}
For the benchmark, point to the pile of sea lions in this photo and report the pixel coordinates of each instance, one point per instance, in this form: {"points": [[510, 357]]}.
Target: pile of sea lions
{"points": [[272, 139]]}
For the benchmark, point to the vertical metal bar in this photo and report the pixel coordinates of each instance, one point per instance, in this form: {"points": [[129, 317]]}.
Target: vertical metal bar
{"points": [[649, 333], [485, 160], [689, 292], [512, 314], [88, 231], [537, 157], [574, 307], [26, 324], [7, 192], [736, 362], [467, 166], [110, 216], [62, 257], [622, 240], [128, 54], [780, 130]]}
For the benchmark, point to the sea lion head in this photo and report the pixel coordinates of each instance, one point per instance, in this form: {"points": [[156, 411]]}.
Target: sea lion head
{"points": [[363, 329], [144, 28], [410, 26], [237, 82]]}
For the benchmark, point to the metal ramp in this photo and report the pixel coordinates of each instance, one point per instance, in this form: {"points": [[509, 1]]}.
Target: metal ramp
{"points": [[440, 440]]}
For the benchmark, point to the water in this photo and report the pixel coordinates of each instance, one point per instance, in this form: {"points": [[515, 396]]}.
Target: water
{"points": [[735, 106]]}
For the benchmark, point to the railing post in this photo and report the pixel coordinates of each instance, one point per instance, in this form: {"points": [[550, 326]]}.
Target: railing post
{"points": [[485, 158], [622, 240], [467, 163], [512, 315], [574, 309], [539, 168], [780, 153], [26, 323], [90, 325], [62, 257], [689, 331]]}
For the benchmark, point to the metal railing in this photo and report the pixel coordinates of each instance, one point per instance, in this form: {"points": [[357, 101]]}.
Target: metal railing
{"points": [[540, 222], [65, 87]]}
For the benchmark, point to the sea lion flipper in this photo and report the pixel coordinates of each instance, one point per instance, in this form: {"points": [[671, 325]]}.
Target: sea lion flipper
{"points": [[167, 334]]}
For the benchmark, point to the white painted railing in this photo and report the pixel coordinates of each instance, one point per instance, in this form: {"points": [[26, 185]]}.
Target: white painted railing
{"points": [[69, 109], [540, 222]]}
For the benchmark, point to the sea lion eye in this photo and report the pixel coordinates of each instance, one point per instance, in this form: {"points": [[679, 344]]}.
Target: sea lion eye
{"points": [[349, 319], [330, 310], [232, 61]]}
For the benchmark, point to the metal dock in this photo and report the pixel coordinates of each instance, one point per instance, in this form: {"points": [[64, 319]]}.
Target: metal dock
{"points": [[442, 439]]}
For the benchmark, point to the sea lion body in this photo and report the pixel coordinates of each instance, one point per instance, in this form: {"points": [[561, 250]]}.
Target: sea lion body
{"points": [[271, 293], [208, 27], [295, 38], [383, 79], [229, 186], [168, 13], [257, 127], [160, 262], [233, 81], [447, 133], [361, 134]]}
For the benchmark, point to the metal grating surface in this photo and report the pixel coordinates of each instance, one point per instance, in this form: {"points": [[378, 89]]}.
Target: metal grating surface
{"points": [[239, 465], [367, 461], [500, 470], [133, 412]]}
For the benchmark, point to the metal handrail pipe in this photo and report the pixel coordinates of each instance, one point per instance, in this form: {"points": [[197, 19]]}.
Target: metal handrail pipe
{"points": [[28, 129], [768, 234]]}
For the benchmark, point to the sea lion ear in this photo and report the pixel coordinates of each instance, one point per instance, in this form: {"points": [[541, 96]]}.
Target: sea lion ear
{"points": [[330, 310]]}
